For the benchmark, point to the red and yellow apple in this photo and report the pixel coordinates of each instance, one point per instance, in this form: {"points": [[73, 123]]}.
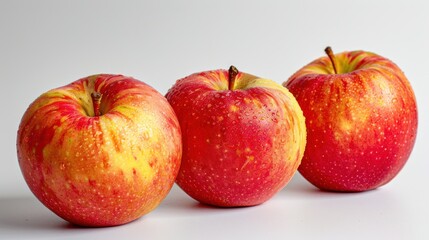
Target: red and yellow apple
{"points": [[101, 151], [243, 137], [361, 118]]}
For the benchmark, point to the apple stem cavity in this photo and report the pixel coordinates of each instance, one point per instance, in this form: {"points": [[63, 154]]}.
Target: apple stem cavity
{"points": [[96, 100], [232, 75], [330, 53]]}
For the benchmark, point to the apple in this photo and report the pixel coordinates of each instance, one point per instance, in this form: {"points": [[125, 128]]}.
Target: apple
{"points": [[101, 151], [243, 137], [361, 118]]}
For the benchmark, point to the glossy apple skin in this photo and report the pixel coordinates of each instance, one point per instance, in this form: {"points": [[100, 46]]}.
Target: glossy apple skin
{"points": [[100, 170], [361, 123], [240, 146]]}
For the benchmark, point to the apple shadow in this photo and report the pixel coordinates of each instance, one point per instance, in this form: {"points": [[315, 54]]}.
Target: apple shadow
{"points": [[26, 217], [182, 205], [18, 213], [299, 187], [27, 214]]}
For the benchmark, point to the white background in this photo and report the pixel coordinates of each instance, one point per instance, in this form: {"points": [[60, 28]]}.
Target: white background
{"points": [[47, 44]]}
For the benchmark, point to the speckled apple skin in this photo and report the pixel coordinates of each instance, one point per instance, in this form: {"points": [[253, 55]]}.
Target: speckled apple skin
{"points": [[100, 170], [240, 146], [361, 123]]}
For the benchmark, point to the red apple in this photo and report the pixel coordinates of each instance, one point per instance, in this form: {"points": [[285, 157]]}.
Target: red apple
{"points": [[243, 137], [361, 118], [101, 151]]}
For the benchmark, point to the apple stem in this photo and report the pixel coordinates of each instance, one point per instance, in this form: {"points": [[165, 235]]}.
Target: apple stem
{"points": [[96, 100], [330, 53], [232, 74]]}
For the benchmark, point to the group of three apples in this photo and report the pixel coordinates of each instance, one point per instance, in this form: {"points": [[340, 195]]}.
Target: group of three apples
{"points": [[106, 149]]}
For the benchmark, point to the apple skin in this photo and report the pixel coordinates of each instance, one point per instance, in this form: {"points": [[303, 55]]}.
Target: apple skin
{"points": [[361, 122], [101, 170], [240, 146]]}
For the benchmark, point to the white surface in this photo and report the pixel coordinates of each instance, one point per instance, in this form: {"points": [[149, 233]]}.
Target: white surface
{"points": [[46, 44], [298, 212]]}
